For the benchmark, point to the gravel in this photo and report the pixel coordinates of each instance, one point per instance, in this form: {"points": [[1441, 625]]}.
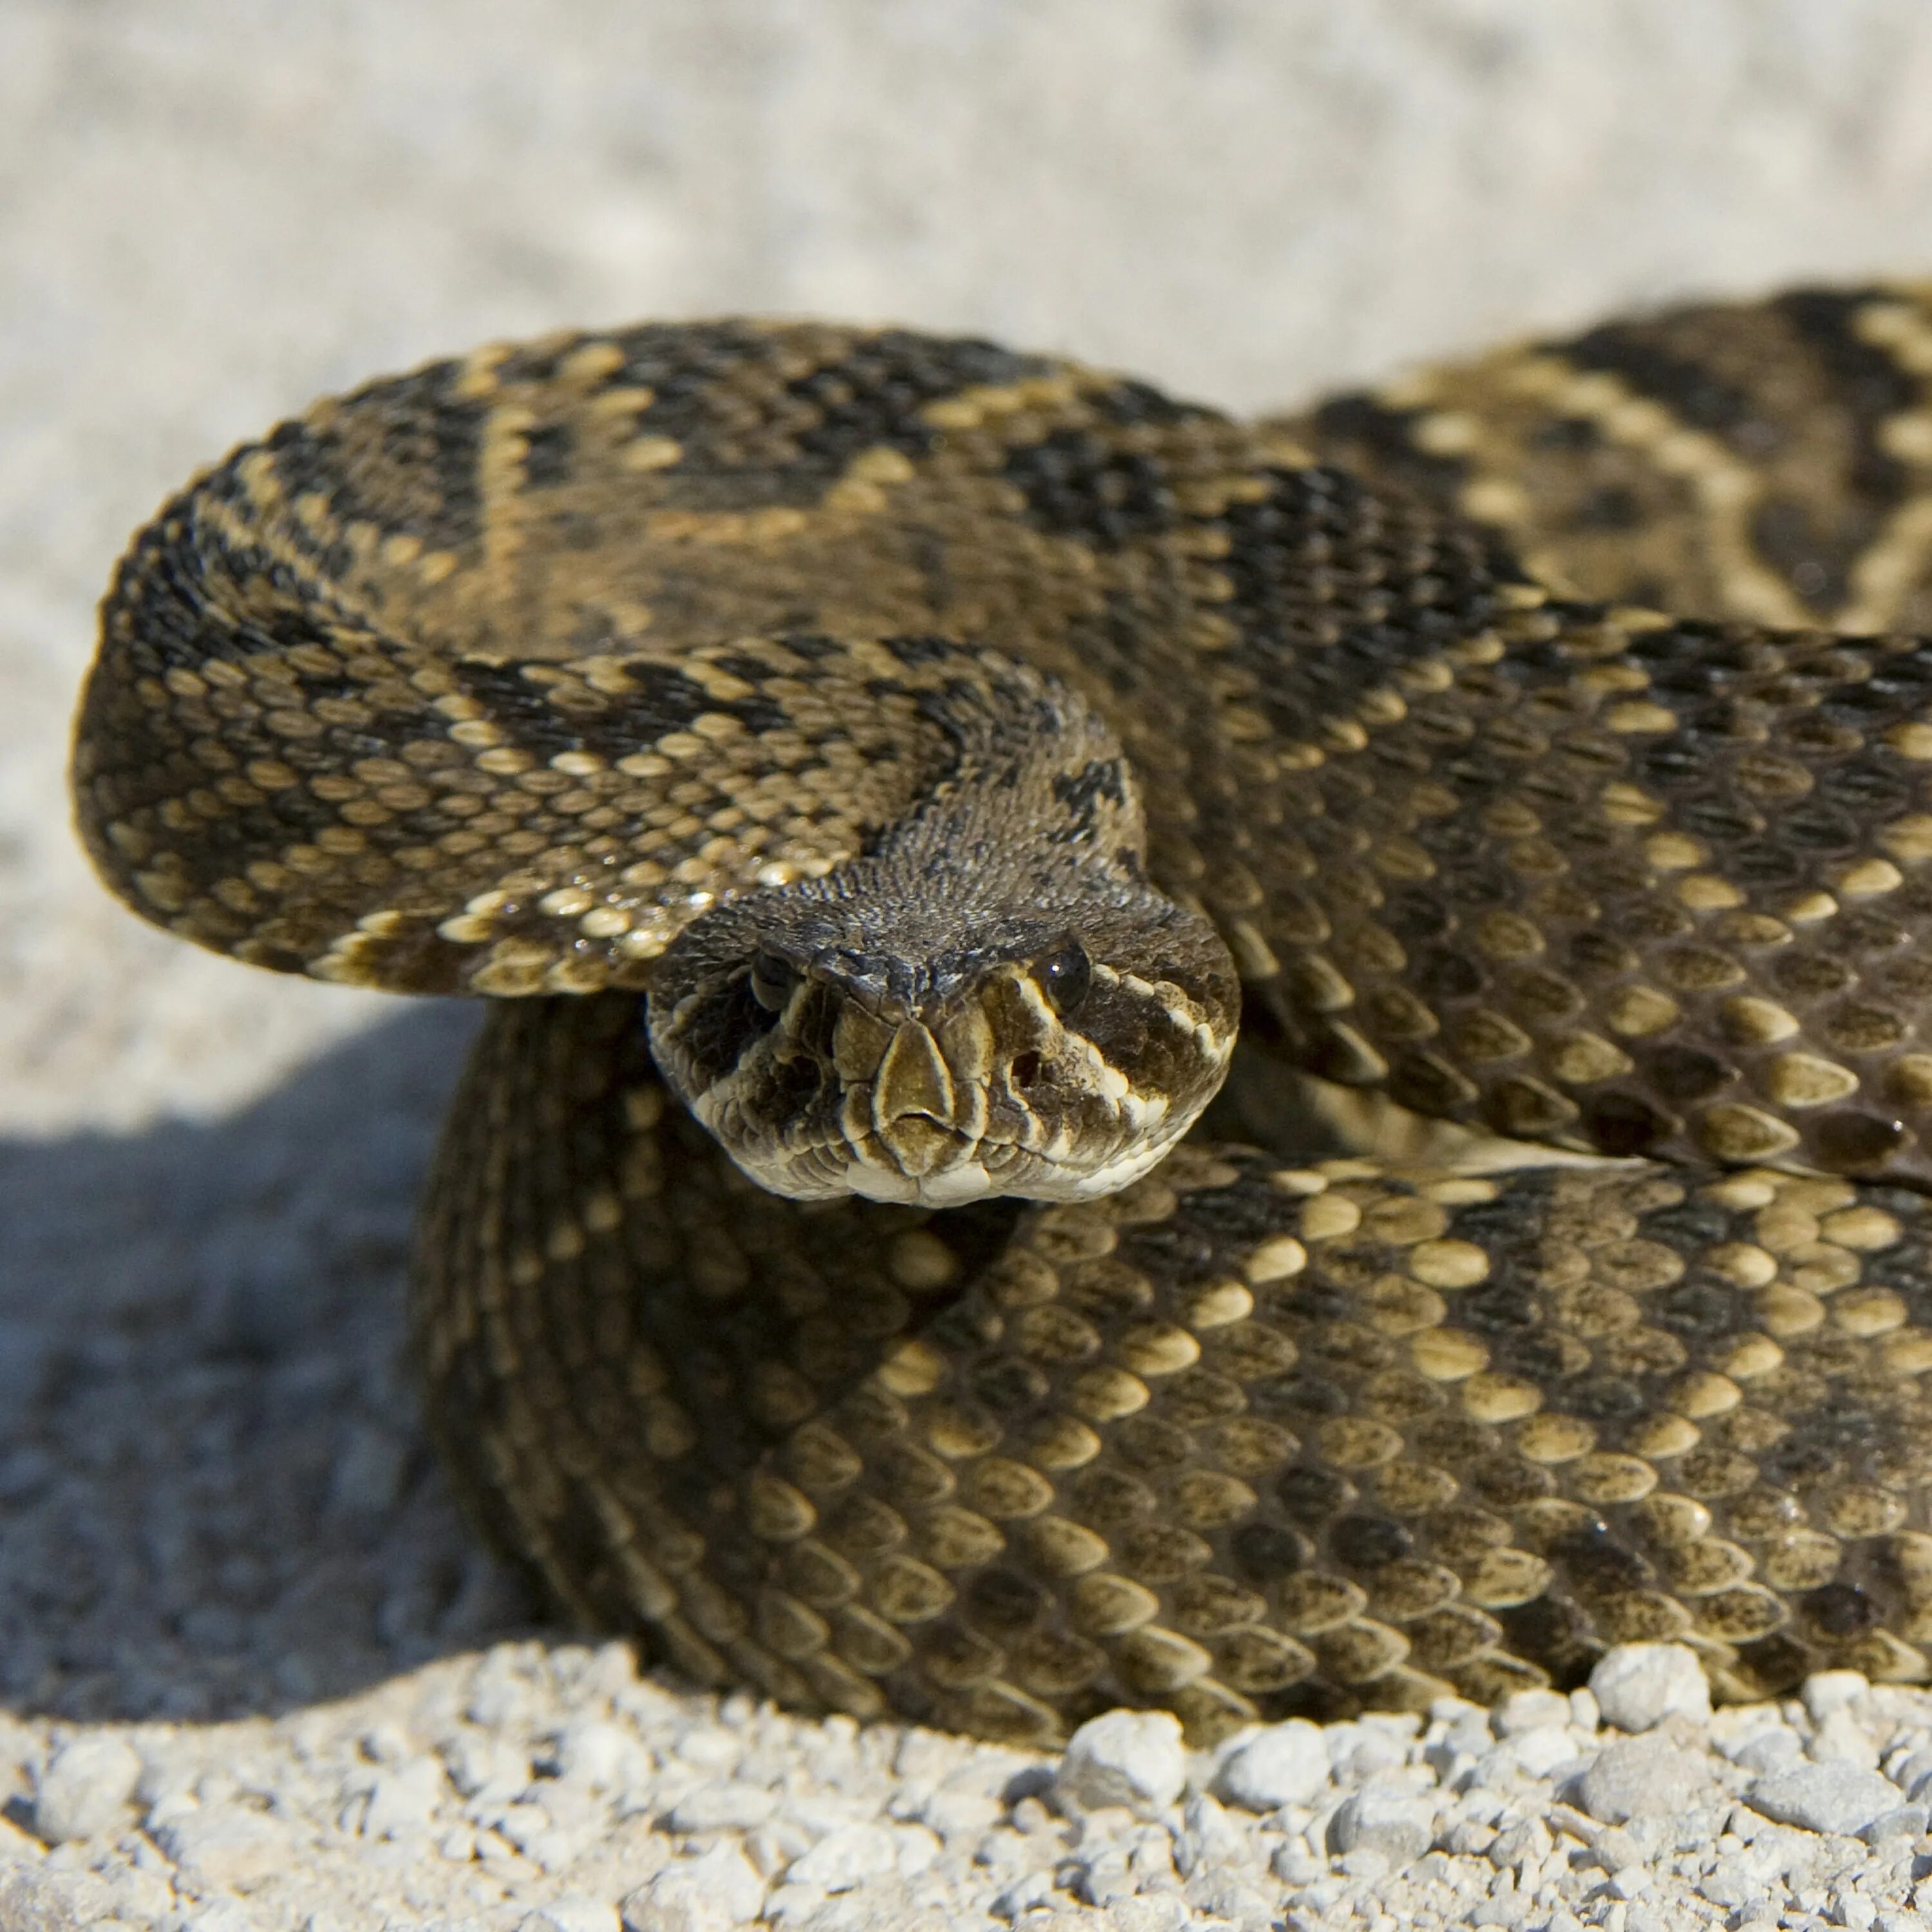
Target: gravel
{"points": [[255, 1674], [533, 1783]]}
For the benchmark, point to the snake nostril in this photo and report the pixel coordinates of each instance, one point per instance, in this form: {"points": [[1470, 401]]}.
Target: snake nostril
{"points": [[1026, 1069]]}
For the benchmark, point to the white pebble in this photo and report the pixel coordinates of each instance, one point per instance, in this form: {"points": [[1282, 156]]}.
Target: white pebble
{"points": [[1833, 1797], [1527, 1843], [1148, 1912], [574, 1914], [725, 1805], [1541, 1750], [1285, 1764], [1531, 1710], [1826, 1691], [1637, 1685], [1381, 1819], [1776, 1748], [1629, 1881], [1841, 1739], [487, 1769], [846, 1857], [1133, 1758], [710, 1893], [711, 1748], [599, 1753], [85, 1788], [1903, 1821], [225, 1846], [1639, 1778], [1208, 1836], [404, 1800]]}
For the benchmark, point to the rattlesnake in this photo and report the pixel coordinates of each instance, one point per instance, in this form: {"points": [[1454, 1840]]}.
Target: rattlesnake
{"points": [[889, 770]]}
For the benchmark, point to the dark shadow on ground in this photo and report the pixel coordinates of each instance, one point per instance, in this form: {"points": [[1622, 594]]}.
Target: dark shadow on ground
{"points": [[215, 1498]]}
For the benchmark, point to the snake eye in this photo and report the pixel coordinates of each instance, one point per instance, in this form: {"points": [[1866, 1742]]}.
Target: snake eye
{"points": [[1066, 977], [773, 979]]}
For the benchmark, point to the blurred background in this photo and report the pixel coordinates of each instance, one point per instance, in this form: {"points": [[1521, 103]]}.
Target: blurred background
{"points": [[211, 211]]}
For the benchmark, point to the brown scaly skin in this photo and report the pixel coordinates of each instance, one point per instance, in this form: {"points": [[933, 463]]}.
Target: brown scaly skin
{"points": [[490, 678], [1244, 1440]]}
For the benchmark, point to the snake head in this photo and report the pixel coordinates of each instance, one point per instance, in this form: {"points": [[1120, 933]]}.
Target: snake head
{"points": [[867, 1034]]}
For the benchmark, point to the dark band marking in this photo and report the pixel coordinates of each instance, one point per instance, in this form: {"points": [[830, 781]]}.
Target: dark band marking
{"points": [[658, 700]]}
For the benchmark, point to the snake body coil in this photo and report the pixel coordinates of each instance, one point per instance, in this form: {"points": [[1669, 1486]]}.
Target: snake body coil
{"points": [[883, 772]]}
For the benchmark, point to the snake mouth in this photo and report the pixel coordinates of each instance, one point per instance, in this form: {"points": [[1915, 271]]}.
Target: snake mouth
{"points": [[932, 1120], [927, 1165]]}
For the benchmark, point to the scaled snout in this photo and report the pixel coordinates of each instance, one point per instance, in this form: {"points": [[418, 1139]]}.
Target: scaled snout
{"points": [[921, 1082]]}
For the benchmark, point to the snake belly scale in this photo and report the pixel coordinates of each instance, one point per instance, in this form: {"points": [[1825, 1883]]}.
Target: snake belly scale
{"points": [[873, 778]]}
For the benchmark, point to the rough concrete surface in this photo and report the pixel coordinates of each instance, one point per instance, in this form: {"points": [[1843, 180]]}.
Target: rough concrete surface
{"points": [[258, 1674]]}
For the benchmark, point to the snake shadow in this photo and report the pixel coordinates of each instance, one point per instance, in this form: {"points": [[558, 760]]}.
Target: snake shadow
{"points": [[216, 1498]]}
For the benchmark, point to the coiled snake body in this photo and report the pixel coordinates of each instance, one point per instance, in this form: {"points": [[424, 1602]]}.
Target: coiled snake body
{"points": [[887, 769]]}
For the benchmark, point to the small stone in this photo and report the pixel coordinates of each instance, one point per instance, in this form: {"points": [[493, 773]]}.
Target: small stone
{"points": [[85, 1788], [222, 1915], [574, 1914], [850, 1853], [1826, 1691], [1366, 1754], [1221, 1899], [486, 1769], [404, 1800], [223, 1845], [1379, 1820], [1285, 1764], [1903, 1821], [847, 1856], [955, 1813], [1146, 1912], [1029, 1890], [711, 1748], [710, 1893], [1776, 1747], [1539, 1751], [1637, 1685], [1133, 1758], [1638, 1776], [386, 1744], [1208, 1836], [1833, 1797], [1531, 1710], [598, 1754], [724, 1806], [1528, 1843], [1615, 1847], [1853, 1909], [1841, 1738], [1469, 1837]]}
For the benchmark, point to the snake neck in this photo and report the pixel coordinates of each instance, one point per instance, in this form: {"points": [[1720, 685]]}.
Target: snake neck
{"points": [[991, 999]]}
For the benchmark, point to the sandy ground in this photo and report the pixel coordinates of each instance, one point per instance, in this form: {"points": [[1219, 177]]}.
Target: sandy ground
{"points": [[217, 1505]]}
